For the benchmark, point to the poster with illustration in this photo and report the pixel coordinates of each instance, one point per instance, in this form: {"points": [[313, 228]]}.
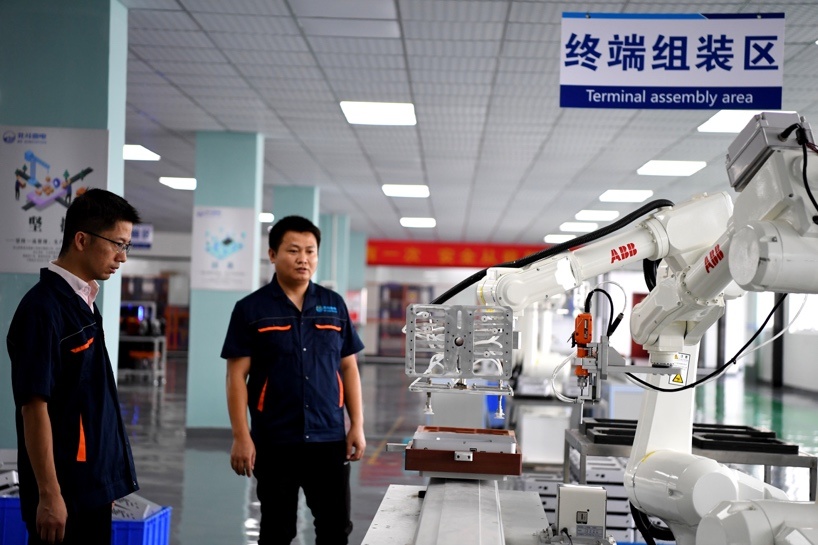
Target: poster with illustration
{"points": [[44, 169], [222, 253]]}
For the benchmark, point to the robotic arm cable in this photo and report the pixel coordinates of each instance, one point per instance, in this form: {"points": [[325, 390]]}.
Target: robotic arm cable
{"points": [[557, 249], [719, 370]]}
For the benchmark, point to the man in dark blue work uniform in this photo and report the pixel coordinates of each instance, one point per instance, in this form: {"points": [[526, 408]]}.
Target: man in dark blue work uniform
{"points": [[295, 342], [74, 458]]}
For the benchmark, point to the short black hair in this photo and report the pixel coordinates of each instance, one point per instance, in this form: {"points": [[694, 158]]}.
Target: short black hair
{"points": [[296, 224], [94, 211]]}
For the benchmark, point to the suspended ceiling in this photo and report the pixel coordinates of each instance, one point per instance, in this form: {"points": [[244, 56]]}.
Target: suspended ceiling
{"points": [[504, 163]]}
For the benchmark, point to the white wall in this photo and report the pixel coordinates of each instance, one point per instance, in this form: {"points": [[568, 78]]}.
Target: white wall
{"points": [[800, 355], [800, 348]]}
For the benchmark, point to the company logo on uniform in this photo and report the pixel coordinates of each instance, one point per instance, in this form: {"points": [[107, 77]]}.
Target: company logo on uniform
{"points": [[9, 137], [326, 309]]}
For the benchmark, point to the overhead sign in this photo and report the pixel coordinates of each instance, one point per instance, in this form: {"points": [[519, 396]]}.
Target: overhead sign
{"points": [[444, 254], [672, 61]]}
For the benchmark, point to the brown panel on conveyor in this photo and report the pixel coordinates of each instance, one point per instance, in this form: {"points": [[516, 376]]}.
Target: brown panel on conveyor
{"points": [[487, 463]]}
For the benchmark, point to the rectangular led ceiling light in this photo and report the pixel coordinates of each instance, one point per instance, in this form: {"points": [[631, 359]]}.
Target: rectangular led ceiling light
{"points": [[558, 239], [135, 152], [185, 184], [417, 191], [670, 168], [626, 195], [266, 217], [596, 215], [578, 227], [379, 113], [418, 223]]}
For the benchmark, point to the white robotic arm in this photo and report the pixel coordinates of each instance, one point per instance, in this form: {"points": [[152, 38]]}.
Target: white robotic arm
{"points": [[711, 249]]}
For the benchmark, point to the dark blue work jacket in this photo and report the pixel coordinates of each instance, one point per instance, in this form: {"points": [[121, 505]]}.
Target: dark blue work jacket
{"points": [[57, 351], [295, 391]]}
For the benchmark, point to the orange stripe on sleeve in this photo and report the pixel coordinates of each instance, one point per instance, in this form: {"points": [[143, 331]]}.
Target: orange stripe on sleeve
{"points": [[81, 457], [275, 328], [260, 405], [328, 326], [86, 346]]}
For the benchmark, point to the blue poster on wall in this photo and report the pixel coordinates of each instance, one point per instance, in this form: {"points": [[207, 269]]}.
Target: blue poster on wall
{"points": [[672, 61]]}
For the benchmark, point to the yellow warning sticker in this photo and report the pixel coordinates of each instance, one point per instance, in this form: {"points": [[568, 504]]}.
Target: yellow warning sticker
{"points": [[677, 379]]}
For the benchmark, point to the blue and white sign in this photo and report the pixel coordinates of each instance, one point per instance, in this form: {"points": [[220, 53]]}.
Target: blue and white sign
{"points": [[222, 255], [672, 61], [142, 236]]}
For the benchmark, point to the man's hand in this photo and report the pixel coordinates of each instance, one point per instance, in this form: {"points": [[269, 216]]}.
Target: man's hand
{"points": [[356, 443], [243, 456], [51, 517]]}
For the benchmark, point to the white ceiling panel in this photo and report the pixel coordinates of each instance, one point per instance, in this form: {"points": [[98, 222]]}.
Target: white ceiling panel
{"points": [[135, 5], [350, 28], [259, 42], [177, 54], [249, 24], [161, 20], [239, 7], [350, 9], [169, 38]]}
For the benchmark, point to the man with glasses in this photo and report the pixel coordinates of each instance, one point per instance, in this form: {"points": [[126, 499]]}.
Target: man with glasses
{"points": [[74, 458]]}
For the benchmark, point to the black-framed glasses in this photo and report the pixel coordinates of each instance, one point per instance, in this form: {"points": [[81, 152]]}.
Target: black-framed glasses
{"points": [[120, 246]]}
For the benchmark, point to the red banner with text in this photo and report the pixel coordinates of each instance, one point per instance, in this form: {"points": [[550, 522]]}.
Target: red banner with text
{"points": [[445, 254]]}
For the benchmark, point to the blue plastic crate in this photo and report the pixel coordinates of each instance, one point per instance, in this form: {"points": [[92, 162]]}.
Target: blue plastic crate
{"points": [[154, 530], [12, 528]]}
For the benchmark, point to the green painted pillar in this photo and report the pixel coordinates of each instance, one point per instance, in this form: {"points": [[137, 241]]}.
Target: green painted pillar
{"points": [[357, 261], [63, 66], [333, 264], [292, 201], [295, 201], [356, 295], [224, 261]]}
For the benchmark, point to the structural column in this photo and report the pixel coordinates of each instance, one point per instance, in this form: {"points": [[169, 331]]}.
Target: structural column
{"points": [[63, 66], [292, 201], [224, 261], [295, 201], [357, 261], [333, 265]]}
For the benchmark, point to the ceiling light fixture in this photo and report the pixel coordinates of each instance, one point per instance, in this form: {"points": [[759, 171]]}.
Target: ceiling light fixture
{"points": [[558, 239], [418, 223], [626, 195], [379, 113], [184, 184], [266, 217], [417, 191], [135, 152], [596, 215], [670, 168], [578, 227]]}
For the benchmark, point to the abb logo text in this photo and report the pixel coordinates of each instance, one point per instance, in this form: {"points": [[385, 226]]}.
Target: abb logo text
{"points": [[713, 258], [623, 252]]}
